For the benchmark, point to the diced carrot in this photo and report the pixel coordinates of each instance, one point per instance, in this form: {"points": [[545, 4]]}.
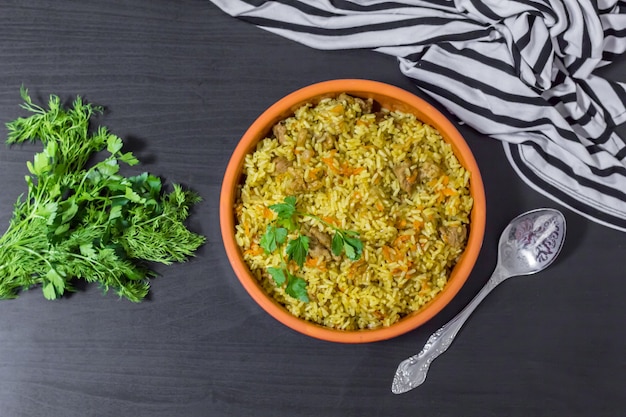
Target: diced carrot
{"points": [[387, 253], [356, 171], [448, 192], [330, 220], [314, 262], [401, 238], [311, 262], [354, 267], [337, 109], [330, 162], [400, 269], [254, 250], [332, 167], [344, 169], [379, 206], [313, 173], [445, 180], [267, 213]]}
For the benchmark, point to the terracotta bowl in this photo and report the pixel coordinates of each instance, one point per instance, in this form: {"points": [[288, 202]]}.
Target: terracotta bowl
{"points": [[389, 97]]}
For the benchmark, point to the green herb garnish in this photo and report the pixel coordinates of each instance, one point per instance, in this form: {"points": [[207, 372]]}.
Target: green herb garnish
{"points": [[297, 248], [91, 223]]}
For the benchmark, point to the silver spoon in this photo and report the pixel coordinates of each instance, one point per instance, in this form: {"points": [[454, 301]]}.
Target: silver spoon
{"points": [[529, 244]]}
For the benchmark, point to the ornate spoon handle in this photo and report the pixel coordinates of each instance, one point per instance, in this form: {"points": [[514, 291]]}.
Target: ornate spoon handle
{"points": [[412, 371]]}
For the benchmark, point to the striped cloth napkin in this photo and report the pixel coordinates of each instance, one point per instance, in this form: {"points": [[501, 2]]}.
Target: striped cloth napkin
{"points": [[518, 71]]}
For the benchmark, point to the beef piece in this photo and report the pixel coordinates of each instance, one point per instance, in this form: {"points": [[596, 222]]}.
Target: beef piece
{"points": [[281, 164], [327, 140], [303, 136], [307, 154], [429, 171], [295, 181], [454, 236], [320, 244], [405, 176], [280, 131], [365, 105]]}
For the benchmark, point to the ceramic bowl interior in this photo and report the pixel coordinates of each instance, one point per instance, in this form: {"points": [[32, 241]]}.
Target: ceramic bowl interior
{"points": [[389, 97]]}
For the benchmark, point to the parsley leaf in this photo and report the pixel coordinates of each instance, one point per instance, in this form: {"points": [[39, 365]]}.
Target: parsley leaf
{"points": [[353, 248], [278, 274], [285, 210], [297, 288], [273, 237], [285, 213], [297, 249], [81, 221], [337, 244]]}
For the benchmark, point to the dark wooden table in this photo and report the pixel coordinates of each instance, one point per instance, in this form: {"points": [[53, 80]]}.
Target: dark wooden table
{"points": [[181, 82]]}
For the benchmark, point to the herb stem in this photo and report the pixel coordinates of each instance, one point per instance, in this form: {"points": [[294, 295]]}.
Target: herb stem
{"points": [[34, 253], [313, 216]]}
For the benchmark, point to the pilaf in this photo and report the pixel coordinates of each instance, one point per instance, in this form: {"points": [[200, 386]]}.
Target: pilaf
{"points": [[381, 173]]}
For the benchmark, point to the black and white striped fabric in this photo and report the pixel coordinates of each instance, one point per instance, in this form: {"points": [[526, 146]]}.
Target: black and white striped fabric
{"points": [[518, 71]]}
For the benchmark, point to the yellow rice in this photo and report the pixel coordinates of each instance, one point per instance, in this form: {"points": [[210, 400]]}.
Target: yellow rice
{"points": [[406, 260]]}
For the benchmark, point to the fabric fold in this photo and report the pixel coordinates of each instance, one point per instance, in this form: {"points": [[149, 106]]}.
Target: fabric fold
{"points": [[521, 72]]}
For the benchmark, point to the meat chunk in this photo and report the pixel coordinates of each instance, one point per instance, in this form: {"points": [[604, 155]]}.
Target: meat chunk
{"points": [[405, 176], [380, 116], [315, 179], [365, 105], [327, 140], [280, 132], [454, 236], [321, 237], [320, 244], [428, 171], [281, 164], [303, 136], [307, 154], [295, 181], [344, 97]]}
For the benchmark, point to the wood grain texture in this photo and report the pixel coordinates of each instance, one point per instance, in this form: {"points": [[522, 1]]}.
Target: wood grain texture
{"points": [[181, 82]]}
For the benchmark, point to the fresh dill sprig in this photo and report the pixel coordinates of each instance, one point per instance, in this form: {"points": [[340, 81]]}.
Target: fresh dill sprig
{"points": [[88, 222]]}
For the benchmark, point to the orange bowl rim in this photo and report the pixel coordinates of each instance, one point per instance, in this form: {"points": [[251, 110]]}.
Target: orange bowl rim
{"points": [[365, 89]]}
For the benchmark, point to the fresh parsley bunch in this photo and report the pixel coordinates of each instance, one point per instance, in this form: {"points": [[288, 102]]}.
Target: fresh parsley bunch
{"points": [[297, 248], [88, 222]]}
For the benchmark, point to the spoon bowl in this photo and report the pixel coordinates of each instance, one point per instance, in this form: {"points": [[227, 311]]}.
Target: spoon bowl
{"points": [[529, 244]]}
